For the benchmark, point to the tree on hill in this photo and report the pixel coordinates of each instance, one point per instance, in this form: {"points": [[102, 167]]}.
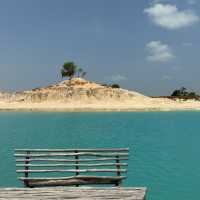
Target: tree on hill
{"points": [[183, 92], [179, 93], [70, 70]]}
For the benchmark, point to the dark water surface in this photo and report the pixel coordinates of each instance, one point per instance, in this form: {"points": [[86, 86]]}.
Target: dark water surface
{"points": [[164, 146]]}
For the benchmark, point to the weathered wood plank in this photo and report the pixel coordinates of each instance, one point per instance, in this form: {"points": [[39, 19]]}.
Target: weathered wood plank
{"points": [[72, 177], [73, 193], [69, 160], [73, 150], [71, 154], [73, 181], [72, 165], [70, 170]]}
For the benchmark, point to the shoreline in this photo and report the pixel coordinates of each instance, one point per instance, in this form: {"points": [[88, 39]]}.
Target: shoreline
{"points": [[92, 109]]}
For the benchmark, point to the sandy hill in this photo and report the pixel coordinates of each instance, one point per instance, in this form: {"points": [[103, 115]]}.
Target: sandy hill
{"points": [[77, 89], [82, 95]]}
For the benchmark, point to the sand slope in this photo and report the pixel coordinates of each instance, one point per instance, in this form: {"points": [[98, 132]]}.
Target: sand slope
{"points": [[82, 95]]}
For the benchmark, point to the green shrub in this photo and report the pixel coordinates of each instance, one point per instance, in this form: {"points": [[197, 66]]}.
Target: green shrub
{"points": [[115, 86]]}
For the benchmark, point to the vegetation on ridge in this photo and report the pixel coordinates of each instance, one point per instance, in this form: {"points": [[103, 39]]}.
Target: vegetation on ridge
{"points": [[70, 70], [115, 85], [184, 93], [181, 93]]}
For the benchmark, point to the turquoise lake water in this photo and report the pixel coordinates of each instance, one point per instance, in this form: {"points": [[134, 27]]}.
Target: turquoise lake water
{"points": [[164, 146]]}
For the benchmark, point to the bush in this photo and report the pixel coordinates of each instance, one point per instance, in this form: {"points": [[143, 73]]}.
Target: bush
{"points": [[192, 94], [105, 85], [115, 86], [183, 93]]}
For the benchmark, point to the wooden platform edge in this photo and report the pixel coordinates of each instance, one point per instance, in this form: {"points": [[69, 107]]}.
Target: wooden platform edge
{"points": [[134, 193]]}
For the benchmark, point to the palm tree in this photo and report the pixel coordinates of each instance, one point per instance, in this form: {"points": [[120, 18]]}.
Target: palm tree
{"points": [[69, 69]]}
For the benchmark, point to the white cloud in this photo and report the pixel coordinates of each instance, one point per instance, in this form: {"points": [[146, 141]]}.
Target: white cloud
{"points": [[159, 52], [168, 16], [117, 78]]}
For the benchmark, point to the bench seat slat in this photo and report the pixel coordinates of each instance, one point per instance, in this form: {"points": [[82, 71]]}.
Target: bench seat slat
{"points": [[71, 165], [71, 177], [71, 170], [72, 154], [70, 160], [73, 181], [73, 150]]}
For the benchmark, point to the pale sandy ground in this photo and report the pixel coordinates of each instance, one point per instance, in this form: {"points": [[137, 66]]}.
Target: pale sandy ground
{"points": [[137, 105], [103, 99]]}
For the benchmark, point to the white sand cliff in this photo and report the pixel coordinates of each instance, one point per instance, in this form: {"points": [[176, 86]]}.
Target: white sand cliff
{"points": [[82, 95]]}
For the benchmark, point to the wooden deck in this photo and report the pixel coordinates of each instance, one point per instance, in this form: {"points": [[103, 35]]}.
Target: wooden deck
{"points": [[81, 193]]}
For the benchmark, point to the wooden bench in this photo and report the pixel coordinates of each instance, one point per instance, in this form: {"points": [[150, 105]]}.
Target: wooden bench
{"points": [[71, 167]]}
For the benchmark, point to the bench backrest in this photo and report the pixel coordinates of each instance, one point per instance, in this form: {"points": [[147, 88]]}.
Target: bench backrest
{"points": [[56, 167]]}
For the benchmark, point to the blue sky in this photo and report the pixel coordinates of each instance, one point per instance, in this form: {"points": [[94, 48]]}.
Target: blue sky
{"points": [[151, 46]]}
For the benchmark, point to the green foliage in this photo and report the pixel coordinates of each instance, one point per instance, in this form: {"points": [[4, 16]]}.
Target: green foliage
{"points": [[192, 94], [183, 93], [69, 69], [115, 86], [110, 85], [179, 93], [176, 93]]}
